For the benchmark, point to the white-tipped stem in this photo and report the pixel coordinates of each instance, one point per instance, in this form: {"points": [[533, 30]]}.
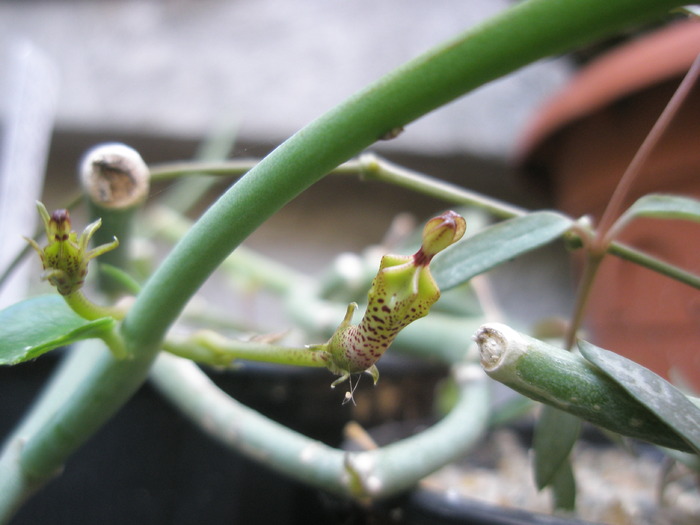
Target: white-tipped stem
{"points": [[499, 346], [567, 381], [114, 176], [116, 181]]}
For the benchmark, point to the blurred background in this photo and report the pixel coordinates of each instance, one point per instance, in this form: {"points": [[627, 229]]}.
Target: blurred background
{"points": [[165, 76]]}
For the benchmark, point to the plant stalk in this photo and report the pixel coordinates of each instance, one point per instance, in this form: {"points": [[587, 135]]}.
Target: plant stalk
{"points": [[567, 381]]}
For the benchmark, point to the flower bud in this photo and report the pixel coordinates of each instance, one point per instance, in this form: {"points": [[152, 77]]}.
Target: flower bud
{"points": [[66, 256], [439, 233]]}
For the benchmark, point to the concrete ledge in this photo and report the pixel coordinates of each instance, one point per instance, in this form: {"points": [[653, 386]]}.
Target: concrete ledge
{"points": [[182, 68]]}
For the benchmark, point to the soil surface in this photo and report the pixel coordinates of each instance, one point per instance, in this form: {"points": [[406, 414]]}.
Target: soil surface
{"points": [[616, 486]]}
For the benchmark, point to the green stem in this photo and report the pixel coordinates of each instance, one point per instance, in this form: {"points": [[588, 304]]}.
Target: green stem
{"points": [[377, 168], [376, 474], [527, 32], [373, 167], [176, 170], [243, 265], [642, 259], [214, 349], [369, 166], [86, 309], [568, 382]]}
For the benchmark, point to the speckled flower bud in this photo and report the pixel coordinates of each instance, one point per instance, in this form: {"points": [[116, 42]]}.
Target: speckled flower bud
{"points": [[402, 291]]}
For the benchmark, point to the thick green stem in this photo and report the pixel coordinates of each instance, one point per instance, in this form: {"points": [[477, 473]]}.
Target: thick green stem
{"points": [[119, 224], [529, 31], [568, 382]]}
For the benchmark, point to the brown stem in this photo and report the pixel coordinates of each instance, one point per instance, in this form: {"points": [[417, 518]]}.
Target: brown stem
{"points": [[599, 244], [613, 209], [590, 270]]}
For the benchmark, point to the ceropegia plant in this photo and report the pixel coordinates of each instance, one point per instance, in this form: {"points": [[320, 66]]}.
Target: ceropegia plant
{"points": [[93, 385], [402, 291]]}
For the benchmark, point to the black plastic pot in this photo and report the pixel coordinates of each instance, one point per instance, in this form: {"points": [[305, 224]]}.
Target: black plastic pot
{"points": [[425, 507], [149, 465]]}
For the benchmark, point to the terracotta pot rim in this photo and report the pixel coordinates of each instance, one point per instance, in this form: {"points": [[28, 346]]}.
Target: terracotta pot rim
{"points": [[652, 59]]}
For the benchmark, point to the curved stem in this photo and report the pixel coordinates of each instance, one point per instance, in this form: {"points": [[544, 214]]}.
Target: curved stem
{"points": [[520, 35], [376, 473], [86, 309]]}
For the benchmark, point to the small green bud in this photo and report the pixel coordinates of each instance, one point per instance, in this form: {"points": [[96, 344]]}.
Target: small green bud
{"points": [[66, 256], [439, 233], [402, 291]]}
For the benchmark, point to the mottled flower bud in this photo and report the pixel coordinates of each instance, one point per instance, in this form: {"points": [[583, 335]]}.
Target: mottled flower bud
{"points": [[402, 291], [439, 233], [66, 256]]}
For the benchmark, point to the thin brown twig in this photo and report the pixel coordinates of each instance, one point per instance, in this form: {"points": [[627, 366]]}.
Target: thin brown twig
{"points": [[641, 157], [600, 243]]}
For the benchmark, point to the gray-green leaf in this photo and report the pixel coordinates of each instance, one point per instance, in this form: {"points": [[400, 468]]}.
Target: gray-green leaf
{"points": [[658, 395], [556, 433], [495, 245], [662, 207], [35, 326]]}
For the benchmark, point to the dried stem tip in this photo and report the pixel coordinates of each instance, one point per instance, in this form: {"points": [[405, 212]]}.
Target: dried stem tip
{"points": [[114, 176]]}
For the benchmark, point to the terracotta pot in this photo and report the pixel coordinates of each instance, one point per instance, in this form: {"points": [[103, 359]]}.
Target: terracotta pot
{"points": [[581, 143]]}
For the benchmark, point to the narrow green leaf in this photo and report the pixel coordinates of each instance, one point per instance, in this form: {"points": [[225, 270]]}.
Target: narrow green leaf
{"points": [[662, 207], [35, 326], [659, 396], [555, 434], [495, 245], [564, 487]]}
